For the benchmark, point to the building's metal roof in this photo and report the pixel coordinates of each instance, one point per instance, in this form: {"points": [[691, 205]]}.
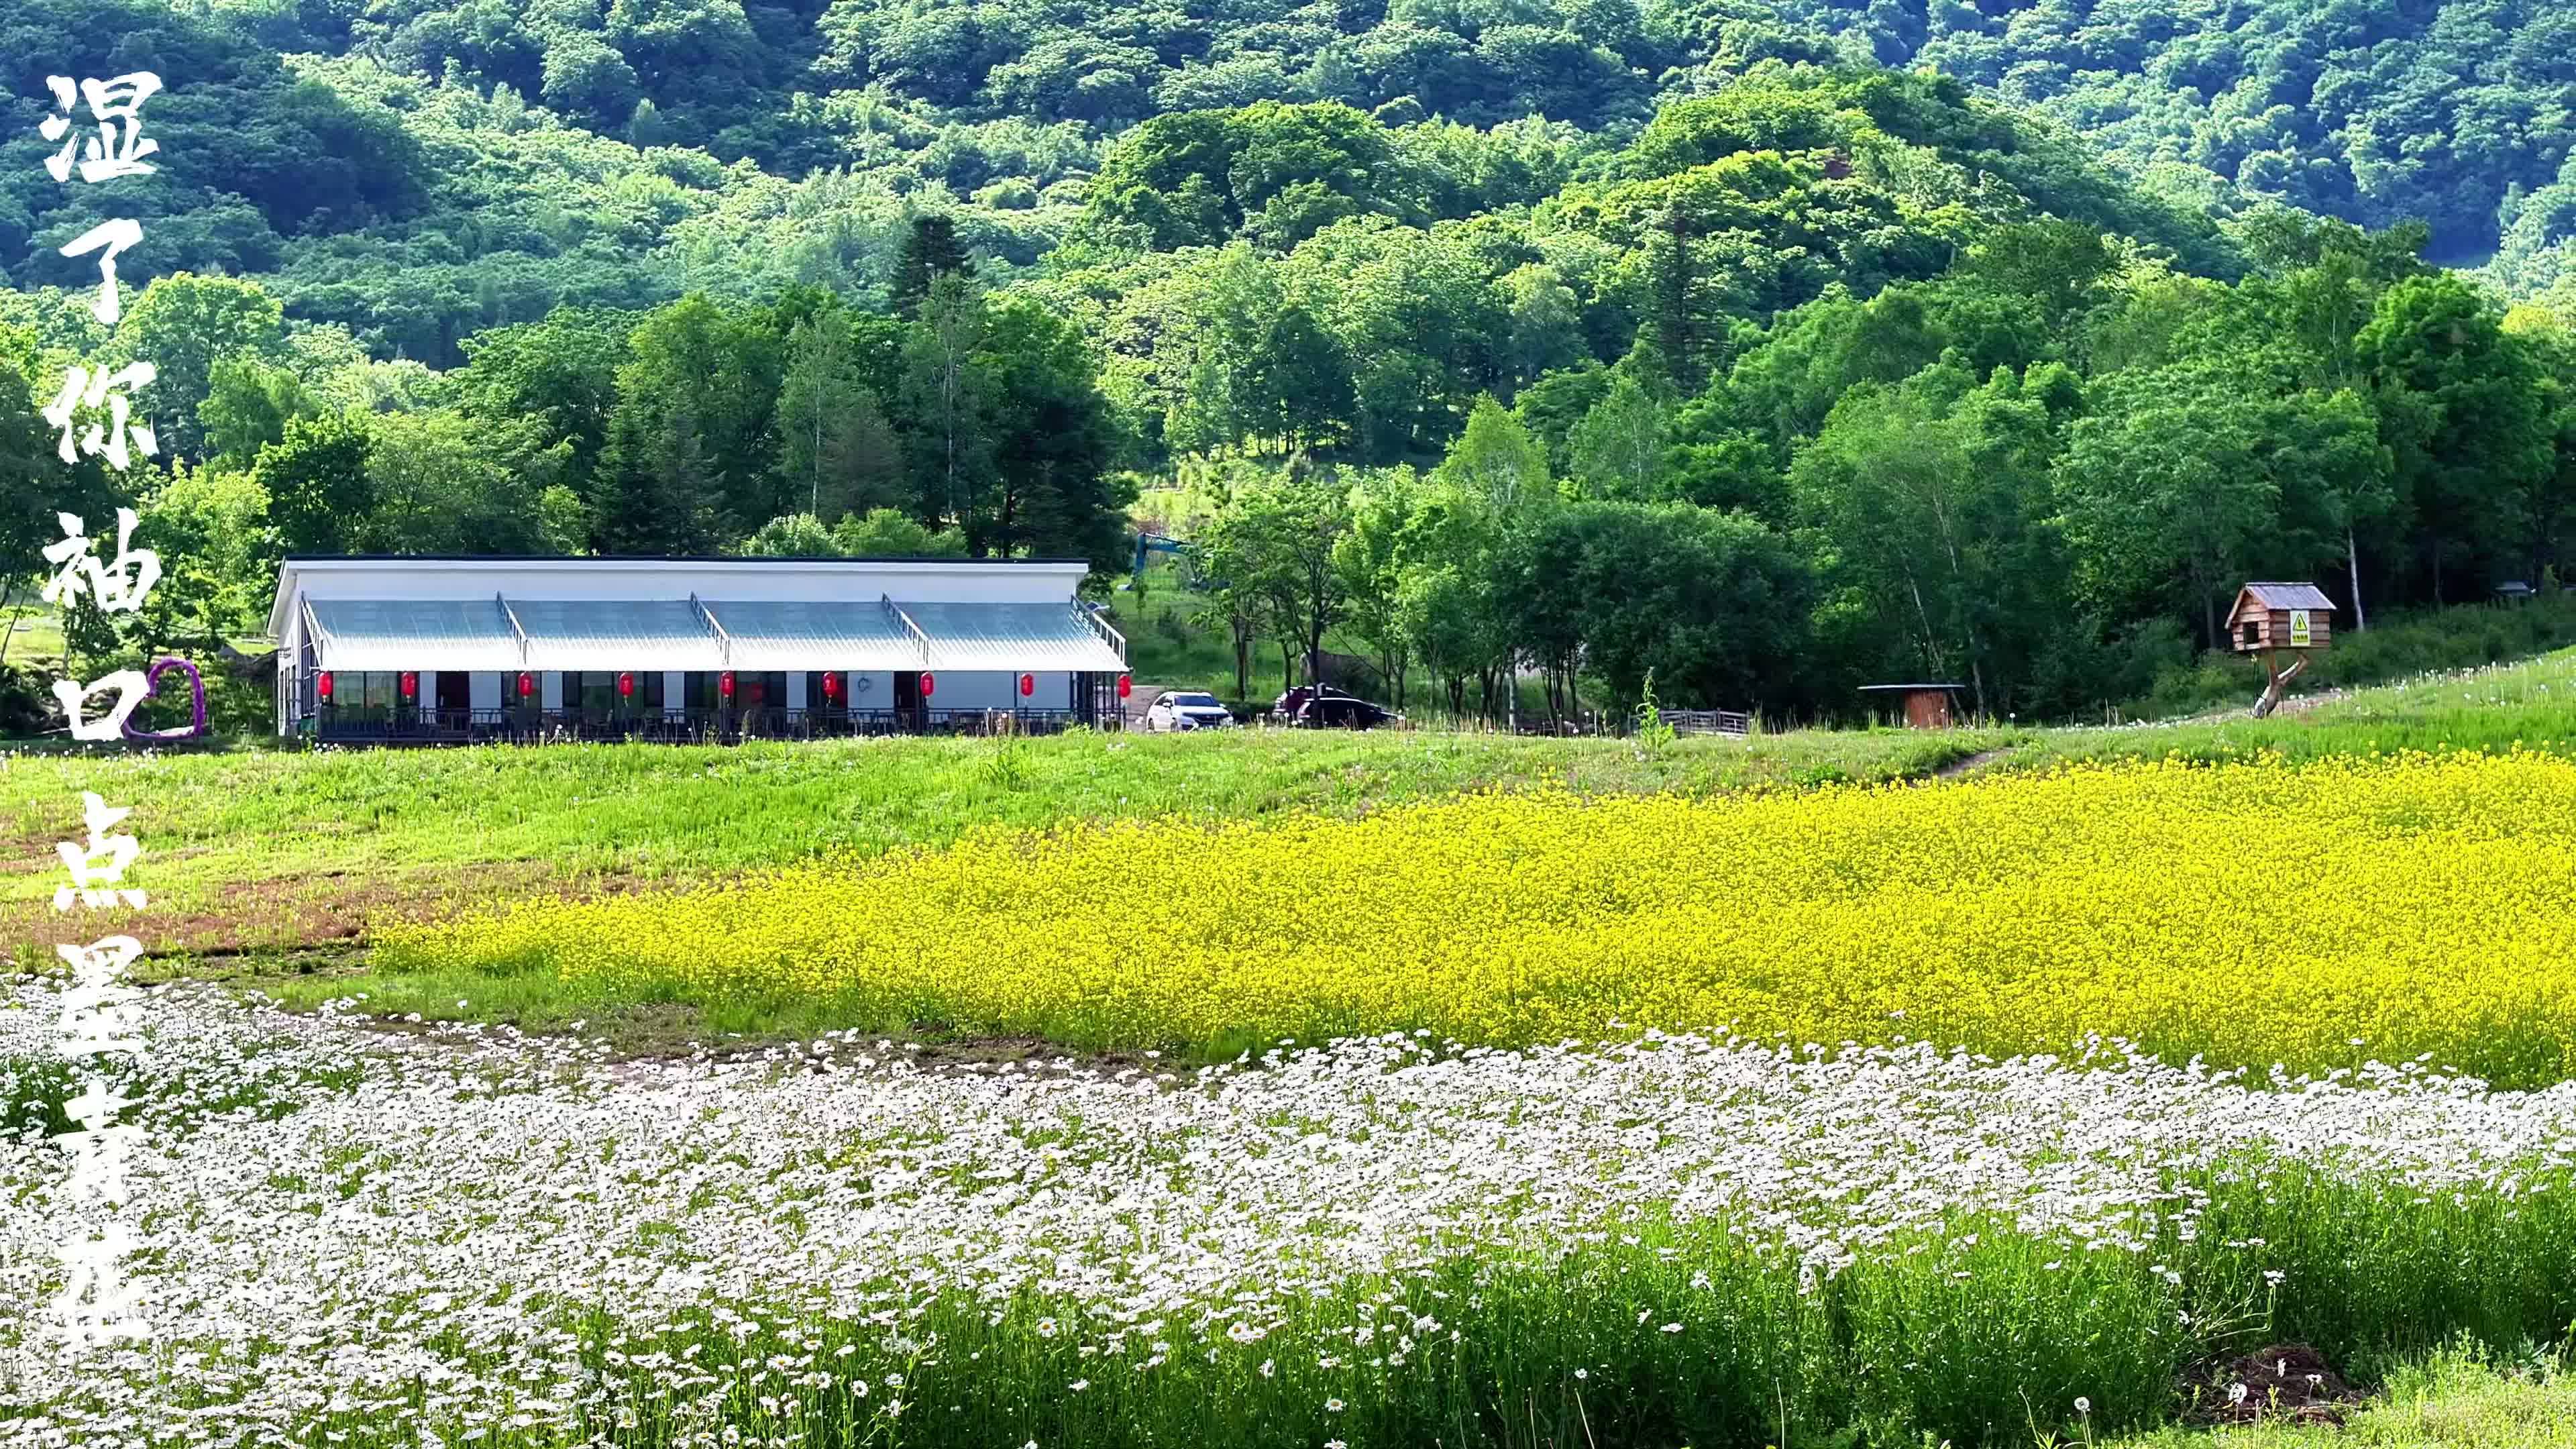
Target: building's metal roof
{"points": [[2290, 596], [617, 634], [435, 634], [628, 560], [757, 573], [840, 634], [508, 634], [1012, 637]]}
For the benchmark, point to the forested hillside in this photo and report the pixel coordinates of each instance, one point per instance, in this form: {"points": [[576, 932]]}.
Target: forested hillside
{"points": [[505, 158], [1595, 338]]}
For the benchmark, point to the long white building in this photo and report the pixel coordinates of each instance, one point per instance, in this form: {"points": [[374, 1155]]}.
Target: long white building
{"points": [[456, 649]]}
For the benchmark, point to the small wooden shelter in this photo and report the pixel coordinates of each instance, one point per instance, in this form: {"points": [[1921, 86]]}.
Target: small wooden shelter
{"points": [[1927, 706], [2272, 617], [2280, 616]]}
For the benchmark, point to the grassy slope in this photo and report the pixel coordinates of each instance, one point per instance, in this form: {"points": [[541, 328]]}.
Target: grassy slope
{"points": [[2531, 703], [262, 850], [288, 855], [2451, 1399]]}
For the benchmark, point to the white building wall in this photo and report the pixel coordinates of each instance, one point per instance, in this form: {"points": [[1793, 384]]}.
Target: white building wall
{"points": [[985, 689], [482, 579]]}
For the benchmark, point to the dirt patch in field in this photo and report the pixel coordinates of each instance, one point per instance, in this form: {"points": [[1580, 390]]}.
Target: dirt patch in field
{"points": [[2285, 1383], [324, 911], [649, 1034], [1977, 761]]}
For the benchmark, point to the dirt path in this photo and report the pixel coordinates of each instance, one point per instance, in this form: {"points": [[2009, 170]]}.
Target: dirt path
{"points": [[1977, 761]]}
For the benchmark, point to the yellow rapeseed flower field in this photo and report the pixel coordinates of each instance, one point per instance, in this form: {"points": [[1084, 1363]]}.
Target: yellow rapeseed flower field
{"points": [[2354, 910]]}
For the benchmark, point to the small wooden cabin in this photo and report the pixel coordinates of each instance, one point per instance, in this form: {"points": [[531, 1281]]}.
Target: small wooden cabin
{"points": [[2280, 616], [1927, 706]]}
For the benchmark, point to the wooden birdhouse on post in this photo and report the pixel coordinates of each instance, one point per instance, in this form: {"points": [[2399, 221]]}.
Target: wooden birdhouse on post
{"points": [[2272, 619]]}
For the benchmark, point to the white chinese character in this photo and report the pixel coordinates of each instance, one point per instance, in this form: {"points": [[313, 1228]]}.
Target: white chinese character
{"points": [[89, 877], [98, 1160], [120, 585], [130, 687], [97, 1304], [84, 388], [96, 1109], [100, 964], [110, 1029], [116, 236], [99, 1010], [113, 103]]}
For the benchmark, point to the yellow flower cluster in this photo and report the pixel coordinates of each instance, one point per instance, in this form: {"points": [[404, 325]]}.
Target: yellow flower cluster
{"points": [[2355, 910]]}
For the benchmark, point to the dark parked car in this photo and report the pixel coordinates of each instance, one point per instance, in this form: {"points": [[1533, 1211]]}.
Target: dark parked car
{"points": [[1330, 709]]}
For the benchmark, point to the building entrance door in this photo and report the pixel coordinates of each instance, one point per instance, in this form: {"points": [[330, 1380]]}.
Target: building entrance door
{"points": [[455, 702]]}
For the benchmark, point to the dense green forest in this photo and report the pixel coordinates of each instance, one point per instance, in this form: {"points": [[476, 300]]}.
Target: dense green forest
{"points": [[1590, 338]]}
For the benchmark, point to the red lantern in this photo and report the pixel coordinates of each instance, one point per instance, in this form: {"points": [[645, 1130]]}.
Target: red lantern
{"points": [[724, 684], [322, 684], [926, 683], [410, 684], [1126, 685], [527, 684], [831, 686], [1028, 685], [626, 685]]}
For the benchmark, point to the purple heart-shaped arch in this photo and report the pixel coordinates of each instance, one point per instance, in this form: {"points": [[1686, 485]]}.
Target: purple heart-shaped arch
{"points": [[197, 711]]}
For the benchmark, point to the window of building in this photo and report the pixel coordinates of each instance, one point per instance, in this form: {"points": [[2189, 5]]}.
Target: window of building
{"points": [[365, 694]]}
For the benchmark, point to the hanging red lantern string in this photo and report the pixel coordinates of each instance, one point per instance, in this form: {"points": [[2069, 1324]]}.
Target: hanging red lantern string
{"points": [[322, 684], [527, 684], [626, 685], [1126, 685], [1028, 685], [831, 686], [724, 684], [410, 684], [927, 683]]}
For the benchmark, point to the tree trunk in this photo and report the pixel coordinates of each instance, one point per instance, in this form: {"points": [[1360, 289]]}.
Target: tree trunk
{"points": [[2276, 684], [2352, 560]]}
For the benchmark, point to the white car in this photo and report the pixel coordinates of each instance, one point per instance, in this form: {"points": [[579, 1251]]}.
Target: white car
{"points": [[1183, 710]]}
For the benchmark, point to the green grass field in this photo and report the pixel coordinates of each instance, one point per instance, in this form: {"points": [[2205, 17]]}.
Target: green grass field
{"points": [[2457, 1399], [266, 850], [268, 869], [270, 866]]}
